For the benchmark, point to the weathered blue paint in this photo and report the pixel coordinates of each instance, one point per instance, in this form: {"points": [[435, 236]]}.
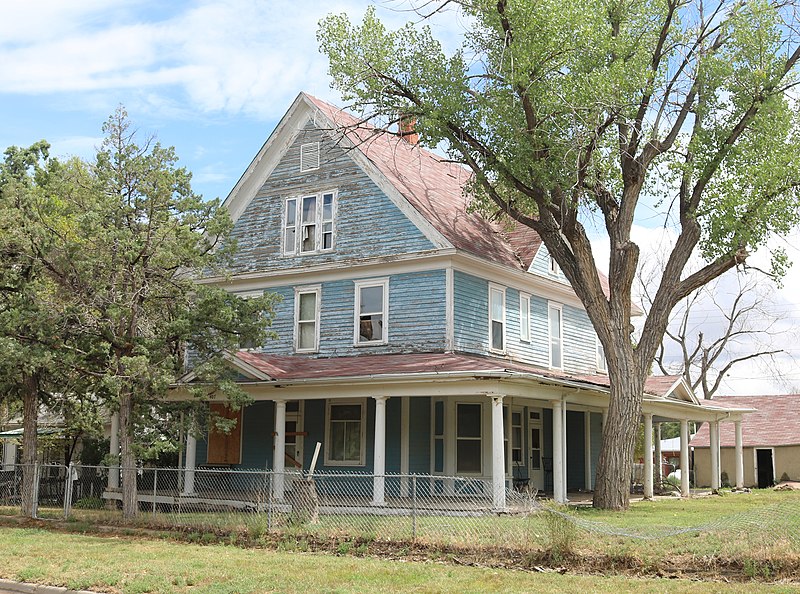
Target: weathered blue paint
{"points": [[580, 346], [576, 450], [258, 424], [416, 316], [367, 223], [471, 313], [541, 266], [419, 435]]}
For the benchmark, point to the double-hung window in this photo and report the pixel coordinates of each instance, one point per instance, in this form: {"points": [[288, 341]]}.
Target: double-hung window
{"points": [[602, 364], [308, 223], [555, 325], [371, 312], [468, 438], [345, 433], [497, 318], [524, 317], [306, 315]]}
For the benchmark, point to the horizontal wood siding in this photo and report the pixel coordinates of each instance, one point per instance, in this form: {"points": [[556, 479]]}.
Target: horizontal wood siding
{"points": [[580, 347], [416, 317], [366, 224], [540, 332], [541, 266], [471, 313], [535, 350]]}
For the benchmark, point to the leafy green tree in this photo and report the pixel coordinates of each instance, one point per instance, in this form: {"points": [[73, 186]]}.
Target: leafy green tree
{"points": [[125, 262], [576, 115]]}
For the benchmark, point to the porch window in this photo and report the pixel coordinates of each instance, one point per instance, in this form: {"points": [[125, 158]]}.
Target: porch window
{"points": [[524, 317], [345, 443], [306, 315], [497, 318], [468, 438], [372, 305], [556, 333], [308, 223]]}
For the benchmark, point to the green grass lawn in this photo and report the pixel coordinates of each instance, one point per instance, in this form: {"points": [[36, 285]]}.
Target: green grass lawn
{"points": [[113, 564]]}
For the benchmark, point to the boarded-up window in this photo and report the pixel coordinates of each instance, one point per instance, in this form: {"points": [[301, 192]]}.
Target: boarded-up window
{"points": [[225, 448]]}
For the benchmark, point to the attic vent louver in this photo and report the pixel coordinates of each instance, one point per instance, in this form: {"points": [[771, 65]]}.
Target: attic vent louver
{"points": [[309, 156]]}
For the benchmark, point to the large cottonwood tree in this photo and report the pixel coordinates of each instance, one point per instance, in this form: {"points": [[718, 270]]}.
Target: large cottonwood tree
{"points": [[575, 115]]}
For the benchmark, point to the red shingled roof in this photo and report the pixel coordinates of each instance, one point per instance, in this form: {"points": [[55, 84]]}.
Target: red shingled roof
{"points": [[434, 187], [776, 422], [294, 367]]}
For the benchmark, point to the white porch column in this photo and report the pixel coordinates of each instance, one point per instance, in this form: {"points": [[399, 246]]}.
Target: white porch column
{"points": [[379, 452], [713, 428], [9, 454], [648, 455], [587, 450], [559, 492], [190, 464], [739, 455], [498, 457], [658, 461], [684, 458], [279, 459], [113, 449]]}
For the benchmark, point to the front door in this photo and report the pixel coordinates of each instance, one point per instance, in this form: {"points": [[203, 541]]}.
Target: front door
{"points": [[764, 472], [535, 449]]}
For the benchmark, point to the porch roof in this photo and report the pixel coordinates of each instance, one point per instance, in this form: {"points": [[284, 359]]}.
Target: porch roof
{"points": [[291, 367], [774, 422]]}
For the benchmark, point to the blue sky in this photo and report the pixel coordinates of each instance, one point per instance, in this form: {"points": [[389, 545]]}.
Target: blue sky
{"points": [[212, 78]]}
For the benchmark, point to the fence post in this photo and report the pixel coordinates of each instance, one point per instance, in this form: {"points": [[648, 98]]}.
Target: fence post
{"points": [[413, 507], [269, 502], [68, 491], [36, 485], [155, 488]]}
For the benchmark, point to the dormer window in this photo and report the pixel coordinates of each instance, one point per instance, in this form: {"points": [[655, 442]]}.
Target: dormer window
{"points": [[308, 223]]}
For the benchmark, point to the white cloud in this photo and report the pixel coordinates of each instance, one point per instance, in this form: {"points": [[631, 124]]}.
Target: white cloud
{"points": [[236, 56]]}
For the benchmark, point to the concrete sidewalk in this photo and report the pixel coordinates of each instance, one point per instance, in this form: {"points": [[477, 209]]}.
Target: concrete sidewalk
{"points": [[10, 587]]}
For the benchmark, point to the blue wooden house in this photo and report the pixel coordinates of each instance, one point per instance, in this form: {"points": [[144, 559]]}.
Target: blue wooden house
{"points": [[414, 336]]}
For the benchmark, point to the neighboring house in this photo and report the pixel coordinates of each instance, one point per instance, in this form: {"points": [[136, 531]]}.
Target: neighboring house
{"points": [[770, 441], [413, 335]]}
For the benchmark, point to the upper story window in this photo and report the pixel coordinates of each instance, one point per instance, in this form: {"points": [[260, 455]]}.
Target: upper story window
{"points": [[497, 318], [372, 312], [602, 364], [524, 317], [554, 269], [555, 326], [308, 223], [306, 315], [309, 156]]}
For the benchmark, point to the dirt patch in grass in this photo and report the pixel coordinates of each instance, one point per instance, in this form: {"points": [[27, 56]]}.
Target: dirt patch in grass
{"points": [[759, 566]]}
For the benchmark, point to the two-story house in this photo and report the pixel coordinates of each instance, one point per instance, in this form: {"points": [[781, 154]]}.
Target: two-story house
{"points": [[414, 336]]}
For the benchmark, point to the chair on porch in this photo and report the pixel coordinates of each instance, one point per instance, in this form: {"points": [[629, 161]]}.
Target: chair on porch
{"points": [[547, 467], [519, 476]]}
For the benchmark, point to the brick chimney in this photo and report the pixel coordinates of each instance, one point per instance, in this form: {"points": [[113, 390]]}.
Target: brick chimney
{"points": [[407, 129]]}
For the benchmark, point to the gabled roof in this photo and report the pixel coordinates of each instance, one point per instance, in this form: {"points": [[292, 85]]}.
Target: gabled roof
{"points": [[434, 187], [775, 422]]}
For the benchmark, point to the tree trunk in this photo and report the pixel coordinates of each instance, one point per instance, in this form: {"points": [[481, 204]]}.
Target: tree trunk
{"points": [[128, 457], [612, 488], [30, 428]]}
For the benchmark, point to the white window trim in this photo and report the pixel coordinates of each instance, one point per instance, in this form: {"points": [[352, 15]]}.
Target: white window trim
{"points": [[363, 448], [307, 150], [552, 266], [362, 284], [602, 362], [318, 223], [525, 328], [502, 289], [551, 306], [316, 289]]}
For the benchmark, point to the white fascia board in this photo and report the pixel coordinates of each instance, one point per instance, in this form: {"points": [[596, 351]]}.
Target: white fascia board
{"points": [[239, 365], [676, 409], [381, 266], [268, 157]]}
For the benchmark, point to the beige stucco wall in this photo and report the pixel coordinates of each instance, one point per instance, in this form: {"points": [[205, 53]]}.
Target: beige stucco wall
{"points": [[787, 460]]}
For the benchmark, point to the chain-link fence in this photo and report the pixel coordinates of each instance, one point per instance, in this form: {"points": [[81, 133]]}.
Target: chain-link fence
{"points": [[436, 510]]}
